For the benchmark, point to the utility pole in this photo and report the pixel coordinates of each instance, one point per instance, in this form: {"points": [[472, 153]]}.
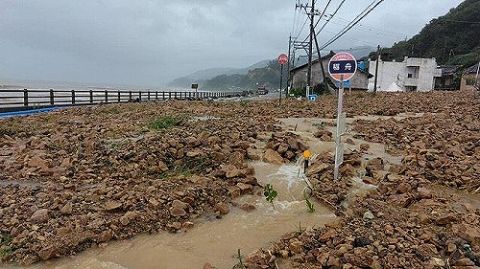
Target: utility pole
{"points": [[310, 47], [289, 65], [376, 70], [321, 63], [477, 83]]}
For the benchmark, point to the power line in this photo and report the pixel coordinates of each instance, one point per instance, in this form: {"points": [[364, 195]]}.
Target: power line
{"points": [[331, 17], [321, 15], [301, 30], [354, 22]]}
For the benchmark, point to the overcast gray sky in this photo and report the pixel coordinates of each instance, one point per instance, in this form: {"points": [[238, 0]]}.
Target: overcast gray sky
{"points": [[149, 43]]}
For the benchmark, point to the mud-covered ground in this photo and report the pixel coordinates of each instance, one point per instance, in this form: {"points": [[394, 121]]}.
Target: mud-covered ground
{"points": [[81, 177]]}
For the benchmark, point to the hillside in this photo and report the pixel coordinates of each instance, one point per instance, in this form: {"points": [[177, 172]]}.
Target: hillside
{"points": [[206, 74], [451, 39], [269, 75]]}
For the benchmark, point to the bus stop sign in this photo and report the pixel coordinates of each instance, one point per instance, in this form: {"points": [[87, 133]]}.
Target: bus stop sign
{"points": [[342, 66]]}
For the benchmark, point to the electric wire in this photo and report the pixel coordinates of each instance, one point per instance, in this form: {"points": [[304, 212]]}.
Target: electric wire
{"points": [[354, 22]]}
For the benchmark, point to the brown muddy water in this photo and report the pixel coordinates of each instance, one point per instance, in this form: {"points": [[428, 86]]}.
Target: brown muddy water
{"points": [[215, 241]]}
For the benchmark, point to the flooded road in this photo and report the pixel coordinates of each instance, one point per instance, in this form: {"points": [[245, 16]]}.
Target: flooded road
{"points": [[214, 241]]}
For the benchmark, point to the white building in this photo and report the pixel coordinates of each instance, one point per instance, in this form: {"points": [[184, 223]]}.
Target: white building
{"points": [[413, 74]]}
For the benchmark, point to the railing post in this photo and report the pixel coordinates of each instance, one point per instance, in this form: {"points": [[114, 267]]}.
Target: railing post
{"points": [[119, 97], [175, 95], [139, 96], [156, 95], [52, 97], [73, 97], [129, 96], [25, 97], [148, 95], [163, 95], [91, 97], [169, 95]]}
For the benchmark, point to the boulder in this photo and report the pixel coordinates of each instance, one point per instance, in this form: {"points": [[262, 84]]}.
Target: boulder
{"points": [[40, 216], [273, 157]]}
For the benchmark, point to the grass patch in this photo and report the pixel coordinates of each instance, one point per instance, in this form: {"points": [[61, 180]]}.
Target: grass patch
{"points": [[5, 250], [165, 122]]}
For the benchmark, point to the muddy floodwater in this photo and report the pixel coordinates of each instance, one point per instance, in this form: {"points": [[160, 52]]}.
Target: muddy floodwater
{"points": [[213, 241]]}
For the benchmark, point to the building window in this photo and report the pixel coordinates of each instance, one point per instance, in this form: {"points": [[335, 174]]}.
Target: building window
{"points": [[413, 71], [411, 88]]}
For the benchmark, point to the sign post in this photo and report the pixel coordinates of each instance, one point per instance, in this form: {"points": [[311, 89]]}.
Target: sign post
{"points": [[282, 60], [342, 68], [195, 87]]}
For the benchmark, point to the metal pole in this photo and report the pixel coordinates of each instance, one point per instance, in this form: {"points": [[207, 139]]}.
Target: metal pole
{"points": [[119, 98], [288, 66], [376, 70], [338, 139], [91, 97], [25, 97], [106, 97], [52, 97], [476, 77], [281, 84], [73, 97]]}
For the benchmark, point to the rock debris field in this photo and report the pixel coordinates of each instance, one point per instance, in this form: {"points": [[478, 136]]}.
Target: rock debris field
{"points": [[81, 177]]}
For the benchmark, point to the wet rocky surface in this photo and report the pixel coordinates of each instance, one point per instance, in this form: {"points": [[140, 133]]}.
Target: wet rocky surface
{"points": [[420, 213], [82, 177]]}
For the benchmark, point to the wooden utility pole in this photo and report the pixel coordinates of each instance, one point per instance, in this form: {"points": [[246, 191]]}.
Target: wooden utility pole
{"points": [[310, 47], [376, 70]]}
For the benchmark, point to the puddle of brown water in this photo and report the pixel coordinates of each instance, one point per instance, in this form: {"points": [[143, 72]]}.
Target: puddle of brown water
{"points": [[215, 242]]}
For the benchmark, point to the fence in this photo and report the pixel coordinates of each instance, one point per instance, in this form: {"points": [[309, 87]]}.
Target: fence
{"points": [[16, 100]]}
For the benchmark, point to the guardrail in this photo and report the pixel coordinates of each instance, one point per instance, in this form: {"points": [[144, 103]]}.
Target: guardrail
{"points": [[17, 100]]}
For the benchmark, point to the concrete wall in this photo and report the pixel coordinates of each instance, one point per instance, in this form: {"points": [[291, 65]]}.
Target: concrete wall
{"points": [[299, 76], [397, 72]]}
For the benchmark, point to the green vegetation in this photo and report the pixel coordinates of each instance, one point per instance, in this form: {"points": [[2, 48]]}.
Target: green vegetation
{"points": [[5, 250], [165, 122], [450, 38], [310, 206], [240, 264], [270, 193]]}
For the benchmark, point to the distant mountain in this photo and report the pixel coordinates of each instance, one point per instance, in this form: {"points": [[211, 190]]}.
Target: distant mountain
{"points": [[206, 74], [268, 76], [451, 39]]}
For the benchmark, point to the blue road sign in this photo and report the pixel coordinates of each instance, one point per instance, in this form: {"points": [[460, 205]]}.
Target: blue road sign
{"points": [[312, 97]]}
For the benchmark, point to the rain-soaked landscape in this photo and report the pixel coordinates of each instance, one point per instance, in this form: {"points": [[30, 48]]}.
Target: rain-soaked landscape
{"points": [[181, 184]]}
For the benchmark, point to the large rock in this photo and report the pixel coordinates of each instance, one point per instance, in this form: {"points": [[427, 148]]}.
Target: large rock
{"points": [[40, 216], [272, 156], [178, 208], [317, 168], [128, 217]]}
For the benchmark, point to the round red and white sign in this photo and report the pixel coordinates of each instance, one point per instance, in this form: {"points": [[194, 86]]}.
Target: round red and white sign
{"points": [[283, 59], [342, 66]]}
